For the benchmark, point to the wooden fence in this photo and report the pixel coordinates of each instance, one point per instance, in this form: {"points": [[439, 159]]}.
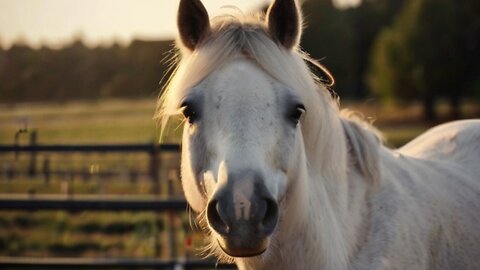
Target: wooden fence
{"points": [[33, 149], [75, 203]]}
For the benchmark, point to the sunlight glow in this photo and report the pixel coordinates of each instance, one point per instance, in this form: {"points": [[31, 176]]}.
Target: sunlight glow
{"points": [[56, 22]]}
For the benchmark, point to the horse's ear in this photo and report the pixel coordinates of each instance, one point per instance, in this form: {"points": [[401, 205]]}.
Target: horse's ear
{"points": [[285, 22], [193, 23]]}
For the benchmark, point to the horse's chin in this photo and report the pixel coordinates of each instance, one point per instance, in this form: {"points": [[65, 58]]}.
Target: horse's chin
{"points": [[242, 248]]}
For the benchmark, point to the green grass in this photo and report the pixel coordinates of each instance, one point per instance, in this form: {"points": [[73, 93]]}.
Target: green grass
{"points": [[118, 121], [81, 122], [88, 234]]}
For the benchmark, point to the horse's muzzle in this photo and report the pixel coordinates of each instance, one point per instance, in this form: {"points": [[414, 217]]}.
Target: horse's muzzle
{"points": [[244, 215]]}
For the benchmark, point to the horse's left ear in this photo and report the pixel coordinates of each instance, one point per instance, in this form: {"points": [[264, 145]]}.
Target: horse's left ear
{"points": [[193, 23], [285, 22]]}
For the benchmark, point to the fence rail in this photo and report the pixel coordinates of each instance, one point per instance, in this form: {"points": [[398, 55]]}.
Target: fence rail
{"points": [[148, 148], [90, 203], [33, 148]]}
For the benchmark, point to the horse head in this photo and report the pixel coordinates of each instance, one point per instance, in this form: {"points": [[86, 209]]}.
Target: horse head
{"points": [[242, 126]]}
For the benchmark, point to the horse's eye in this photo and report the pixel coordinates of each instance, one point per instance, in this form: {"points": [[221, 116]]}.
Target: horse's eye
{"points": [[296, 113], [189, 111]]}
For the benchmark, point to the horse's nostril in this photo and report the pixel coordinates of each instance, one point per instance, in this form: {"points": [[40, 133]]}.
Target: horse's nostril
{"points": [[271, 216], [214, 218]]}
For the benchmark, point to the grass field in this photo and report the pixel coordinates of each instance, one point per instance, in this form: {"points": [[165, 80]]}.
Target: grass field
{"points": [[82, 122], [118, 121], [84, 234], [124, 234]]}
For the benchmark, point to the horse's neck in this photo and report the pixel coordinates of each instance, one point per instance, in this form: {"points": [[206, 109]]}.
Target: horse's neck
{"points": [[323, 216]]}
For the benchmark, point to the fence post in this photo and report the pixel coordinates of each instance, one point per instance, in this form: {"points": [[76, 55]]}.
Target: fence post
{"points": [[17, 139], [154, 165], [32, 168]]}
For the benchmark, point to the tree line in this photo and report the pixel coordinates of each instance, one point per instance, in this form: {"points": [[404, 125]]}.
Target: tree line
{"points": [[400, 50], [78, 72], [397, 50]]}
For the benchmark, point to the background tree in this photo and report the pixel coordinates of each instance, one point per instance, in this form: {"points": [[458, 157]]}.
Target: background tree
{"points": [[427, 54], [329, 37], [79, 72], [366, 21], [342, 39]]}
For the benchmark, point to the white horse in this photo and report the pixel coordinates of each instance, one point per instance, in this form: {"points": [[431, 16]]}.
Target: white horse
{"points": [[282, 179]]}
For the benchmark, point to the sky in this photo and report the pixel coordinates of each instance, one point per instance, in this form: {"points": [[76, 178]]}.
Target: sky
{"points": [[56, 22]]}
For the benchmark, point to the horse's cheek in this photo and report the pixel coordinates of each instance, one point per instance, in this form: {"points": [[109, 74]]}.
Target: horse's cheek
{"points": [[191, 185], [194, 199]]}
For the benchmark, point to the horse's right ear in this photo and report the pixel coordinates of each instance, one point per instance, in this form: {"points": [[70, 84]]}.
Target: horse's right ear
{"points": [[193, 23]]}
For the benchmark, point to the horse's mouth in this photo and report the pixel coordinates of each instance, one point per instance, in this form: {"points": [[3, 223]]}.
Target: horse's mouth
{"points": [[243, 247]]}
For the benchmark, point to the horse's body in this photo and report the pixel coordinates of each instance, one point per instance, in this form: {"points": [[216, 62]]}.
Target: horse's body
{"points": [[425, 214], [280, 188]]}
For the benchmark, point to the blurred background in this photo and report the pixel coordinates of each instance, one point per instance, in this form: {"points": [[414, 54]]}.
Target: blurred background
{"points": [[78, 86]]}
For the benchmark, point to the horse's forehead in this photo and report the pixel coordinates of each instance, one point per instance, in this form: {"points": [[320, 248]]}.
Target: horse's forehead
{"points": [[242, 81]]}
